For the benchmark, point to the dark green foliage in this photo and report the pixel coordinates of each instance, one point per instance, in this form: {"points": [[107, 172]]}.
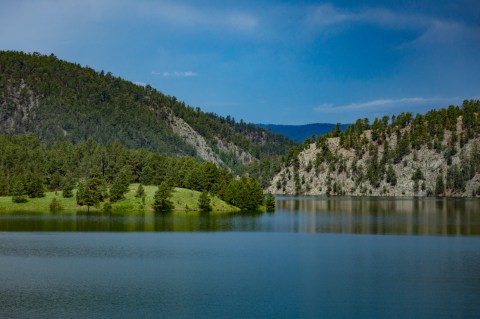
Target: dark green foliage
{"points": [[19, 194], [68, 186], [111, 163], [374, 169], [417, 175], [270, 202], [264, 169], [120, 184], [439, 185], [34, 186], [4, 182], [402, 149], [55, 181], [55, 205], [245, 193], [162, 202], [456, 179], [391, 175], [204, 202], [91, 192]]}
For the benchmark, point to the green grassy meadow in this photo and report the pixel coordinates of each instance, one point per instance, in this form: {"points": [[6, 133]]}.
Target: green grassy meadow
{"points": [[184, 200]]}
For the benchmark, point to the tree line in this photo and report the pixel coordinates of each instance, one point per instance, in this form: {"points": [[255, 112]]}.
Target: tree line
{"points": [[28, 168]]}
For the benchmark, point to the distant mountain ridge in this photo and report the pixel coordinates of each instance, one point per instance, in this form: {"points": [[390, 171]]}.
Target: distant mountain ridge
{"points": [[299, 133]]}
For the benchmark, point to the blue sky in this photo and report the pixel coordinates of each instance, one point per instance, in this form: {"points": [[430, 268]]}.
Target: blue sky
{"points": [[282, 62]]}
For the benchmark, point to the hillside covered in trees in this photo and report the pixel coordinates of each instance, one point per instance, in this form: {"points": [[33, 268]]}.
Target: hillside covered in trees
{"points": [[103, 173], [61, 101], [437, 153]]}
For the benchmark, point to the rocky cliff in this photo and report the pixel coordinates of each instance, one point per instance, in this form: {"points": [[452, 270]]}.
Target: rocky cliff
{"points": [[435, 154]]}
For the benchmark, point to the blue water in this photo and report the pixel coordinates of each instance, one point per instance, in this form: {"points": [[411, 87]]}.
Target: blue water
{"points": [[312, 258], [237, 275]]}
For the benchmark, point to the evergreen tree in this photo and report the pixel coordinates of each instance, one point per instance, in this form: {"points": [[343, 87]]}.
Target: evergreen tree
{"points": [[439, 185], [162, 202], [55, 181], [120, 184], [91, 192], [19, 195], [270, 202], [4, 182], [204, 202], [67, 188], [34, 186], [374, 171], [391, 175]]}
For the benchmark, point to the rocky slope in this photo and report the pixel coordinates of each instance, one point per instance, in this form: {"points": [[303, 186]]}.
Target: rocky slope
{"points": [[445, 164]]}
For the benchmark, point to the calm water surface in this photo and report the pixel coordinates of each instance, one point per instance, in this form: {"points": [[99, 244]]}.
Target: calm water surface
{"points": [[314, 258]]}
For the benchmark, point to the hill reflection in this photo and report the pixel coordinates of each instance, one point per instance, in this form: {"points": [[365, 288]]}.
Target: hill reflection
{"points": [[425, 216], [432, 216]]}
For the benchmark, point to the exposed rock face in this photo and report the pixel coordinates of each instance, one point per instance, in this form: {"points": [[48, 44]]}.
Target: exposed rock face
{"points": [[203, 149], [230, 149], [19, 112], [341, 177], [192, 137]]}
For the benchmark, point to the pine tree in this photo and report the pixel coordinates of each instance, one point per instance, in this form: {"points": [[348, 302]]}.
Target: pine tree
{"points": [[204, 202], [67, 188], [391, 176], [19, 194], [270, 202], [91, 192], [120, 184], [4, 182], [439, 185], [34, 186], [161, 198]]}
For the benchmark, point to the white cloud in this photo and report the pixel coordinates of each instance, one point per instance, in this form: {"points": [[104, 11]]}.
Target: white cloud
{"points": [[386, 105], [176, 74], [194, 16], [327, 15], [242, 21]]}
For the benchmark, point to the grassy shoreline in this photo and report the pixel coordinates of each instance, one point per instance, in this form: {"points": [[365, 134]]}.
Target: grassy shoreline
{"points": [[184, 200]]}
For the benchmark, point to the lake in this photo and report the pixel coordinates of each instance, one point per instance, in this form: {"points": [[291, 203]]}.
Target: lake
{"points": [[314, 257]]}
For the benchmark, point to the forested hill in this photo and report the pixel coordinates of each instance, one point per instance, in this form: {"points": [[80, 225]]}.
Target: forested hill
{"points": [[437, 153], [299, 133], [62, 101]]}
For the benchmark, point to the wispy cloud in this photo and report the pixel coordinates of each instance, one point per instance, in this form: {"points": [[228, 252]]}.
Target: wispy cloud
{"points": [[327, 15], [192, 16], [176, 74], [386, 105], [327, 18]]}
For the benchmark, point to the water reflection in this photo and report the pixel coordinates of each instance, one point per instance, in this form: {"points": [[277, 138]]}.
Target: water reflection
{"points": [[425, 216], [433, 216]]}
